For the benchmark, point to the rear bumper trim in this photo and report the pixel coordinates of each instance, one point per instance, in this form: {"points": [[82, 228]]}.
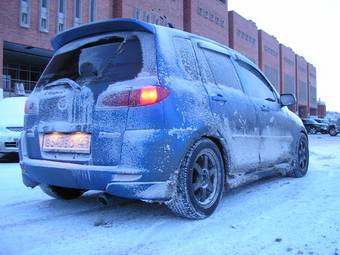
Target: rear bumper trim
{"points": [[116, 180], [79, 167]]}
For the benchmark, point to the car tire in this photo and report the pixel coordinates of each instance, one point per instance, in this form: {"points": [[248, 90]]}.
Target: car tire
{"points": [[301, 157], [61, 192], [332, 132], [200, 182]]}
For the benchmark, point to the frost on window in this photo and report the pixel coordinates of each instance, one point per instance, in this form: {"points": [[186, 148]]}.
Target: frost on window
{"points": [[187, 59], [222, 69], [103, 60], [254, 83]]}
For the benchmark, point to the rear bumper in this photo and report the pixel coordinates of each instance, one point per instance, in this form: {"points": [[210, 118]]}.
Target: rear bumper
{"points": [[118, 181], [149, 160]]}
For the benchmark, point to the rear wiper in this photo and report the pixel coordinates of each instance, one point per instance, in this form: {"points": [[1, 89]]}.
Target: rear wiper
{"points": [[118, 51], [120, 48]]}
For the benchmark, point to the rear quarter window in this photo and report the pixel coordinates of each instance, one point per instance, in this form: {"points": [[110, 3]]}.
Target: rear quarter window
{"points": [[186, 58]]}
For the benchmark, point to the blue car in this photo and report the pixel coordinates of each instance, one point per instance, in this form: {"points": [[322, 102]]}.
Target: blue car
{"points": [[153, 113]]}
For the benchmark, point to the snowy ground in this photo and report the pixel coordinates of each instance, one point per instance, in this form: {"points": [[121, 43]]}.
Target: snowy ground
{"points": [[273, 216]]}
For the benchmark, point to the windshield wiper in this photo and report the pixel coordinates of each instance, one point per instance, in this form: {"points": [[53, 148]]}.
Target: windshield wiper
{"points": [[118, 51]]}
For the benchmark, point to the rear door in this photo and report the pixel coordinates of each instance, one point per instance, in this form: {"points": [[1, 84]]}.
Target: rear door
{"points": [[234, 109], [85, 89], [276, 136]]}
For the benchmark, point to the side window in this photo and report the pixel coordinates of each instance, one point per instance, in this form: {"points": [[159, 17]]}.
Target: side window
{"points": [[222, 69], [254, 84], [187, 58]]}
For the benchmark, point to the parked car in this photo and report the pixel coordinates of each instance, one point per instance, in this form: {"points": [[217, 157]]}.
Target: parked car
{"points": [[11, 123], [153, 113], [314, 127], [332, 128]]}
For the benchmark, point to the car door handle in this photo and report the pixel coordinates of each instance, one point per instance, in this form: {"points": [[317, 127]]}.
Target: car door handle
{"points": [[264, 108], [219, 98]]}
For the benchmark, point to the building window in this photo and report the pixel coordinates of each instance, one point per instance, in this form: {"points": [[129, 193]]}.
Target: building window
{"points": [[157, 20], [136, 13], [92, 10], [222, 23], [61, 17], [146, 17], [44, 12], [77, 12], [15, 74], [289, 84], [200, 11], [206, 14], [211, 16], [25, 13]]}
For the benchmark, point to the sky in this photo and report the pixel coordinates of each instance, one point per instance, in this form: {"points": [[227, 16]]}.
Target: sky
{"points": [[311, 28]]}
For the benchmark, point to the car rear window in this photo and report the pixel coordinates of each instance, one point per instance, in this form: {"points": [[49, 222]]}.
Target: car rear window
{"points": [[104, 61]]}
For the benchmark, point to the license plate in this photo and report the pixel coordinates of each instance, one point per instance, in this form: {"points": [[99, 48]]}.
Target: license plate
{"points": [[72, 143]]}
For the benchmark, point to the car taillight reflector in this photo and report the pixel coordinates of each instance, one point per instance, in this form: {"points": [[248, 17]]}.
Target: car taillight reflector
{"points": [[147, 95]]}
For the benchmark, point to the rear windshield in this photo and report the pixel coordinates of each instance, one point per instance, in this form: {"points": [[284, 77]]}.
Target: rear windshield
{"points": [[104, 61]]}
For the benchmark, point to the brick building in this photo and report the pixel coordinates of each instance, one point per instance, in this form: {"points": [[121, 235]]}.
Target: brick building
{"points": [[321, 109], [207, 18], [27, 26], [288, 72], [160, 12], [243, 36], [269, 57], [302, 85], [312, 93]]}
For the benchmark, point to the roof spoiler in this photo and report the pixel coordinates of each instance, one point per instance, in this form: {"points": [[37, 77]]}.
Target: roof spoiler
{"points": [[100, 27]]}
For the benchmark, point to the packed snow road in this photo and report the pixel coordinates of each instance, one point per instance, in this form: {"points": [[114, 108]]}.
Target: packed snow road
{"points": [[272, 216]]}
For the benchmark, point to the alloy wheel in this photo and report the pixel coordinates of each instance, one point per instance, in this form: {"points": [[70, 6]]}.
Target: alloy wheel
{"points": [[312, 131], [303, 154], [205, 179]]}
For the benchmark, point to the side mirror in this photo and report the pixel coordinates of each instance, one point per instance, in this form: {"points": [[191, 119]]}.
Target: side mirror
{"points": [[287, 99]]}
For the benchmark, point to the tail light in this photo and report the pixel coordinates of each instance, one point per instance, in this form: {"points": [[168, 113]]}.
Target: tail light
{"points": [[31, 107], [136, 97]]}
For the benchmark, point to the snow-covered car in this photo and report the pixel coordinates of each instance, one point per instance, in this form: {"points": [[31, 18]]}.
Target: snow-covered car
{"points": [[332, 128], [157, 114], [11, 123], [313, 127]]}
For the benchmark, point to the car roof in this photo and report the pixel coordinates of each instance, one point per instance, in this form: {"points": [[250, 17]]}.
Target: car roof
{"points": [[128, 24]]}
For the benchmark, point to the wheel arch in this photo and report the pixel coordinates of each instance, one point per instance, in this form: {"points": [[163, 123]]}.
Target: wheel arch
{"points": [[217, 139], [222, 146]]}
